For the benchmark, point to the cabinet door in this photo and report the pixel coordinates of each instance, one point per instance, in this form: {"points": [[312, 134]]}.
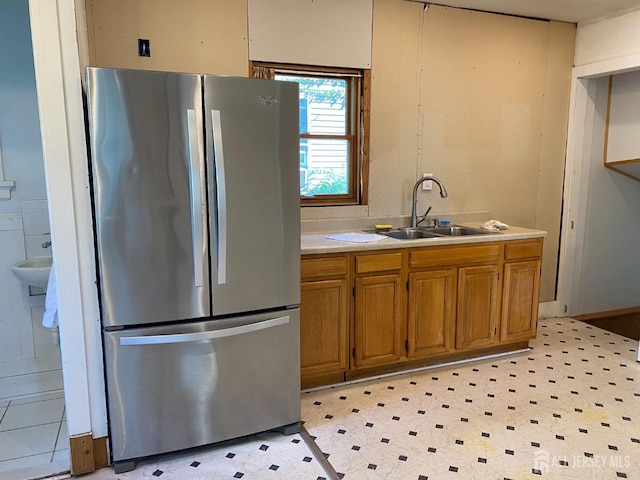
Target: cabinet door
{"points": [[478, 304], [520, 301], [431, 312], [377, 323], [323, 326]]}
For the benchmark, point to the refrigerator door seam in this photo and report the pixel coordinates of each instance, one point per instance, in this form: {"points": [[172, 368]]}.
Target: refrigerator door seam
{"points": [[221, 193], [199, 336]]}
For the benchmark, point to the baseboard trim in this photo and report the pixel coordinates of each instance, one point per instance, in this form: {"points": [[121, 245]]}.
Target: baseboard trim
{"points": [[81, 452], [548, 310], [100, 452], [515, 348], [606, 314], [87, 453]]}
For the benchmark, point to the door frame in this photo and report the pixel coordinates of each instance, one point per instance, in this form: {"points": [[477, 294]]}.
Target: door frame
{"points": [[62, 128], [576, 180]]}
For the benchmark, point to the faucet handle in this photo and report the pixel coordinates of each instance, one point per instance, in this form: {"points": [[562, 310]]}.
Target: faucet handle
{"points": [[422, 218]]}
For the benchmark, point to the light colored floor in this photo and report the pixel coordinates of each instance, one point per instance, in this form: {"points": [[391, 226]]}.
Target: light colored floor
{"points": [[33, 436], [30, 377], [567, 409]]}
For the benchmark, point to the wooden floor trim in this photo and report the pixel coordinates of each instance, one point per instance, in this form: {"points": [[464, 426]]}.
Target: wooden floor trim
{"points": [[606, 314], [87, 453]]}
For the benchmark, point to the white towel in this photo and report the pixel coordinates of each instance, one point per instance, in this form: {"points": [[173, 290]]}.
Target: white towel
{"points": [[50, 317], [494, 225]]}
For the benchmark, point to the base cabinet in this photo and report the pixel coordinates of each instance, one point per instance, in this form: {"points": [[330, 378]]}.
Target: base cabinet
{"points": [[366, 313], [377, 321], [378, 318], [323, 335], [431, 325], [478, 303], [521, 291], [324, 319], [520, 305]]}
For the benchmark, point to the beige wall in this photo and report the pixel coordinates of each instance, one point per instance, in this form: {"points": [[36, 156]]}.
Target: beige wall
{"points": [[207, 36], [479, 100], [553, 148]]}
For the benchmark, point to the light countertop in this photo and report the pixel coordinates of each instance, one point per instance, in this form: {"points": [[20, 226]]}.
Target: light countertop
{"points": [[319, 243]]}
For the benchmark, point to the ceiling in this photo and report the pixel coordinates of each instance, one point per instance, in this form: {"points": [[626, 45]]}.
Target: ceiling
{"points": [[574, 11]]}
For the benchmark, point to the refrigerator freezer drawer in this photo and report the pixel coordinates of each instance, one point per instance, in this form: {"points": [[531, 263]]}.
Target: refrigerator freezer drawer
{"points": [[181, 386]]}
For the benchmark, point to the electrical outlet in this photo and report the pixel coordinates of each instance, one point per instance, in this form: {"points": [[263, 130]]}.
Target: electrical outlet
{"points": [[428, 185], [144, 47]]}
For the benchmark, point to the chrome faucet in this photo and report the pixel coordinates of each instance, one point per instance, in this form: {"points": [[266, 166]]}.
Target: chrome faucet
{"points": [[443, 194], [46, 244]]}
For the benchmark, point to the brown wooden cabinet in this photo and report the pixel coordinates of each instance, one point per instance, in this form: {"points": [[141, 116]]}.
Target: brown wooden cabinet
{"points": [[521, 290], [365, 313], [431, 312], [324, 319], [378, 323], [477, 306], [323, 336], [471, 295]]}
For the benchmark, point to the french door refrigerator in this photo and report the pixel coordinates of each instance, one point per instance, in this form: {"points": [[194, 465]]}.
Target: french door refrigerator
{"points": [[195, 184]]}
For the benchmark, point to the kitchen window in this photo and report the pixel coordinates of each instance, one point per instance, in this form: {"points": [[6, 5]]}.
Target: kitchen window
{"points": [[334, 131]]}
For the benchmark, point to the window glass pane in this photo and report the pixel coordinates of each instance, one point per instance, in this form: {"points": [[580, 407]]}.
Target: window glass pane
{"points": [[323, 104], [324, 166]]}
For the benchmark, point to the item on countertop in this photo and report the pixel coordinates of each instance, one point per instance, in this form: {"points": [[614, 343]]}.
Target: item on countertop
{"points": [[356, 237], [383, 228], [494, 226]]}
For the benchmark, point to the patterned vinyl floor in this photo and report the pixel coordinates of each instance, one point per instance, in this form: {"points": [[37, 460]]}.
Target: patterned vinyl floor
{"points": [[569, 408]]}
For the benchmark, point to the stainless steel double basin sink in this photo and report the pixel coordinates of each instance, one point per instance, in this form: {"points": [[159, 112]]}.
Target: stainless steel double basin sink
{"points": [[416, 233]]}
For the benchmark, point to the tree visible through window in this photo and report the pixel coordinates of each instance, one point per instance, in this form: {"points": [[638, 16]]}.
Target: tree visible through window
{"points": [[330, 133]]}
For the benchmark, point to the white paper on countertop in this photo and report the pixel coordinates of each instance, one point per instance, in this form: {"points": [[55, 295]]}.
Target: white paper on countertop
{"points": [[354, 237]]}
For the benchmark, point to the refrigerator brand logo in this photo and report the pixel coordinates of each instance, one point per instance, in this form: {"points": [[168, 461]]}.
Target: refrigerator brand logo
{"points": [[268, 100]]}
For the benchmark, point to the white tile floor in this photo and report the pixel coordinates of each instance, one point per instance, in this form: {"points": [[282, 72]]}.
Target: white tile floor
{"points": [[567, 409], [33, 436]]}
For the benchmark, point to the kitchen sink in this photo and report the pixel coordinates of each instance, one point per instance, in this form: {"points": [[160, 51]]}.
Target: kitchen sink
{"points": [[410, 234], [456, 231], [416, 233]]}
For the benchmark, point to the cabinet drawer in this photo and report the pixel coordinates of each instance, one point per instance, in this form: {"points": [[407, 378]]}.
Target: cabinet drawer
{"points": [[378, 263], [464, 254], [523, 250], [323, 267]]}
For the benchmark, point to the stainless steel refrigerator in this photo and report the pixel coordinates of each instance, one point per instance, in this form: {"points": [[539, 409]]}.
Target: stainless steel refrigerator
{"points": [[195, 182]]}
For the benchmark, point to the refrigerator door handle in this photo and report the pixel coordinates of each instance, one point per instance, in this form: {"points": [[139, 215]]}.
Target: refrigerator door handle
{"points": [[197, 204], [221, 194], [199, 336]]}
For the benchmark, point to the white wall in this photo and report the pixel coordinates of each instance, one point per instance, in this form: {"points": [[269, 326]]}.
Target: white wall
{"points": [[311, 32], [624, 118], [600, 232], [607, 38], [19, 133], [23, 336], [610, 271], [15, 327]]}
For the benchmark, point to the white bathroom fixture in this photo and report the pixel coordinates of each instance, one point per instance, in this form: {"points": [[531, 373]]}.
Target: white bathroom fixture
{"points": [[33, 271]]}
